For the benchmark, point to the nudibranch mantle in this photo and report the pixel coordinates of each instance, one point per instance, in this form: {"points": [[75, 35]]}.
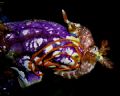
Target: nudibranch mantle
{"points": [[34, 44]]}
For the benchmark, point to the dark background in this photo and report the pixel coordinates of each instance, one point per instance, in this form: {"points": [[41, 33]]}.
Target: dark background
{"points": [[102, 18]]}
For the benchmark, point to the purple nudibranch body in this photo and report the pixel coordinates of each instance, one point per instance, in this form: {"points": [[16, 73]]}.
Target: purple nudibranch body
{"points": [[69, 52]]}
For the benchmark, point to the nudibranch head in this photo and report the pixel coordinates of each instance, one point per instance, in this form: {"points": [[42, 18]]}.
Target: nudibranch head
{"points": [[90, 53]]}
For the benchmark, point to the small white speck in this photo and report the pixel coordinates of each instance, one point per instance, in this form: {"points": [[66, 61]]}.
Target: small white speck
{"points": [[27, 44], [61, 73], [35, 44], [86, 67], [56, 39], [91, 66], [61, 49], [4, 47], [68, 75], [89, 41], [94, 50], [40, 63], [73, 73], [45, 40], [37, 31], [46, 27], [26, 57], [74, 54], [36, 58], [77, 25], [65, 61], [52, 66], [54, 24], [58, 28], [56, 53], [28, 23], [39, 41], [67, 21], [31, 45], [56, 72], [26, 65], [50, 29], [63, 66], [25, 32], [50, 32], [49, 48], [22, 26], [69, 51], [4, 88], [101, 58], [10, 36], [72, 62]]}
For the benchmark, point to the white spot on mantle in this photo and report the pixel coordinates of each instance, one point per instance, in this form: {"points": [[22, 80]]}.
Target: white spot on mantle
{"points": [[48, 49], [69, 51], [25, 32], [39, 41], [56, 53], [56, 39], [65, 60]]}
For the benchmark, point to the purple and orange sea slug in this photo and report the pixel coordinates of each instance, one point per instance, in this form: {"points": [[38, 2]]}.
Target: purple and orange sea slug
{"points": [[35, 44]]}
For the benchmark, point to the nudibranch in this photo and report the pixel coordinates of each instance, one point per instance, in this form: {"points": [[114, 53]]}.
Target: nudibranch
{"points": [[36, 44]]}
